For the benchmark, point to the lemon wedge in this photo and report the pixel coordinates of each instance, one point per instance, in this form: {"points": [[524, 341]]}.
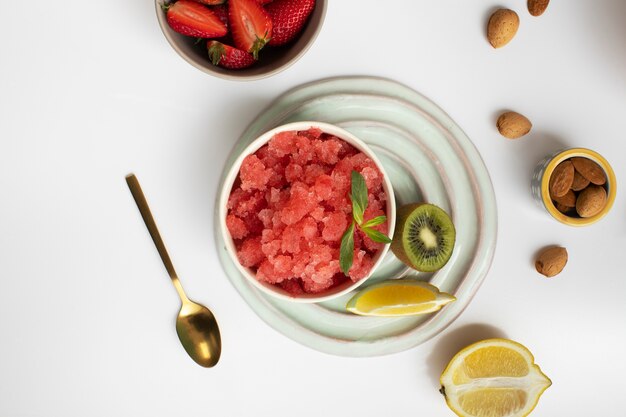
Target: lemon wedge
{"points": [[493, 378], [398, 297]]}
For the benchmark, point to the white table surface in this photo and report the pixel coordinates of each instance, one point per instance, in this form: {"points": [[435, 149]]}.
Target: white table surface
{"points": [[90, 91]]}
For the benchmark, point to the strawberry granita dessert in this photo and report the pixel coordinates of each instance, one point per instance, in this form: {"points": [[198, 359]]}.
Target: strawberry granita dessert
{"points": [[290, 206]]}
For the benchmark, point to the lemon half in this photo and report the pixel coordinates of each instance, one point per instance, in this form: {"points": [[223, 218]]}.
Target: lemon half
{"points": [[399, 297], [493, 378]]}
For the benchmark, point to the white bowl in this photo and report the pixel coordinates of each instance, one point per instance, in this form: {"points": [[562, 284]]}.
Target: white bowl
{"points": [[276, 291], [272, 59]]}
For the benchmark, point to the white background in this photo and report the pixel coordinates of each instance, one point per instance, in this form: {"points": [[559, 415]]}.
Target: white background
{"points": [[90, 91]]}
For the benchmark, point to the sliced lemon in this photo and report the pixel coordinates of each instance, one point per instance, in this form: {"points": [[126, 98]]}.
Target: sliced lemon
{"points": [[493, 378], [398, 297]]}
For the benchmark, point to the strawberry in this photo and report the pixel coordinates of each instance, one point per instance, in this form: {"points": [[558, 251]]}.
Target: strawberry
{"points": [[221, 11], [210, 2], [228, 57], [263, 2], [288, 17], [250, 25], [193, 19]]}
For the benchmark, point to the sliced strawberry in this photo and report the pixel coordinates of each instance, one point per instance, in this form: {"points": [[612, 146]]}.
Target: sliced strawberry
{"points": [[288, 17], [228, 57], [251, 26], [221, 11], [193, 19], [211, 2]]}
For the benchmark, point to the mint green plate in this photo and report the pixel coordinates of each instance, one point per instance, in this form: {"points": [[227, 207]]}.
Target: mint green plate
{"points": [[428, 158]]}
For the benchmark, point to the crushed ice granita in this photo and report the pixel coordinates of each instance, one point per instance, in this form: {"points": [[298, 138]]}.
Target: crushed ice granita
{"points": [[290, 205]]}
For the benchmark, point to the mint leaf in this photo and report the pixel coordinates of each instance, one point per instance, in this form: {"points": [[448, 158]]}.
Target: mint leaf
{"points": [[375, 235], [375, 221], [358, 196], [346, 251], [359, 199]]}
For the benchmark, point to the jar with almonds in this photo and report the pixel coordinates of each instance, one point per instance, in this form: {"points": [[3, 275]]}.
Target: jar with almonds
{"points": [[576, 187]]}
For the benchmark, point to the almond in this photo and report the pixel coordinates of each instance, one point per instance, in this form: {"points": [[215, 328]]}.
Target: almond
{"points": [[537, 7], [561, 179], [551, 261], [564, 209], [590, 170], [591, 201], [513, 125], [580, 182], [568, 200], [502, 27]]}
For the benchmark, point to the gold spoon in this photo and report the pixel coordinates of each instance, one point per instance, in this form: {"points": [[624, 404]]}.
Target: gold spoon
{"points": [[196, 326]]}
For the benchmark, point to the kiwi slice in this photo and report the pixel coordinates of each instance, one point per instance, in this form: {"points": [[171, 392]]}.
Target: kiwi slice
{"points": [[424, 237]]}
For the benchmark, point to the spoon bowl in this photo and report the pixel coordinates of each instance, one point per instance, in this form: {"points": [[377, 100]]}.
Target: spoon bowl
{"points": [[198, 332]]}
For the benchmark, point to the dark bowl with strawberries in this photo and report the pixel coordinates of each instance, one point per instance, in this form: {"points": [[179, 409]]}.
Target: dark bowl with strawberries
{"points": [[241, 39]]}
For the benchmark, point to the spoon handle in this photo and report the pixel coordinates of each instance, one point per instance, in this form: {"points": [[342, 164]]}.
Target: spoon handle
{"points": [[144, 209]]}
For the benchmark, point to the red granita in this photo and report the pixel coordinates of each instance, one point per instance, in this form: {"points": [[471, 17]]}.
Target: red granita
{"points": [[293, 172], [313, 171], [250, 253], [290, 206], [301, 201], [313, 133], [253, 174], [293, 287], [304, 150], [236, 227], [278, 165], [361, 265], [317, 213], [248, 203], [341, 184], [282, 144], [323, 187], [266, 216], [311, 286], [372, 176], [327, 151], [335, 224]]}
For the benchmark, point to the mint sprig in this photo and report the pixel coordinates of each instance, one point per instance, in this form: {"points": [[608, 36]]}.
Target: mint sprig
{"points": [[375, 235], [347, 249], [375, 221], [359, 205], [358, 196]]}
